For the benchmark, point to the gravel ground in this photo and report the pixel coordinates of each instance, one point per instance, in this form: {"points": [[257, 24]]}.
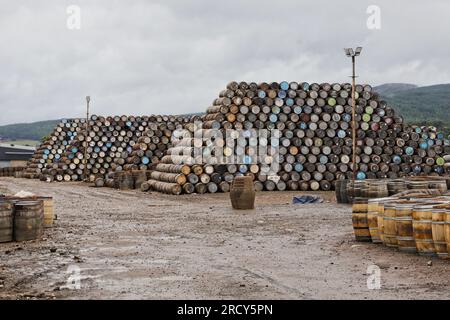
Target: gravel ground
{"points": [[133, 245]]}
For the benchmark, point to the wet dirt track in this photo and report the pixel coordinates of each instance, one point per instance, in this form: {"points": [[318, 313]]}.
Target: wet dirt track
{"points": [[134, 245]]}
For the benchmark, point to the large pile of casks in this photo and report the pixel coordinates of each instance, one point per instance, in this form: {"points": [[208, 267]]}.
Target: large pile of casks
{"points": [[315, 146], [114, 144], [48, 160], [415, 220]]}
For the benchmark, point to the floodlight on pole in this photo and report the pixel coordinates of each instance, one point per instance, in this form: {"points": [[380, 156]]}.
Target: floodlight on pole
{"points": [[353, 54]]}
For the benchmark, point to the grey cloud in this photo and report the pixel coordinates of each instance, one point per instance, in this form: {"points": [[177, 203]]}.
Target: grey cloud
{"points": [[144, 57]]}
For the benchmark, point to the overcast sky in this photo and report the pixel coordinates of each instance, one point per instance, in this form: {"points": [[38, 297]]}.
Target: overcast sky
{"points": [[174, 56]]}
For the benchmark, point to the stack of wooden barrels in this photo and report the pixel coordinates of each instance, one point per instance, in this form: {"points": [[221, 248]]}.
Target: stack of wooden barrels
{"points": [[48, 156], [409, 221], [10, 171], [346, 190], [313, 143], [113, 144], [23, 219]]}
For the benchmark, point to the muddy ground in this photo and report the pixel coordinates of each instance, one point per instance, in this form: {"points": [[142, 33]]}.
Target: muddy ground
{"points": [[133, 245]]}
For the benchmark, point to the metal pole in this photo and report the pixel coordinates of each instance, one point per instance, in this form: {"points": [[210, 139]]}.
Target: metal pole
{"points": [[88, 99], [353, 119]]}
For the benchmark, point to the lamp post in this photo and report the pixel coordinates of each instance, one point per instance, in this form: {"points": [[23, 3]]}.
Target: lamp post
{"points": [[349, 52], [88, 99]]}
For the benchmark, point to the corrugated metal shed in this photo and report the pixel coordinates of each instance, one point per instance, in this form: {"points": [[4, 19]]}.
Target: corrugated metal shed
{"points": [[11, 152]]}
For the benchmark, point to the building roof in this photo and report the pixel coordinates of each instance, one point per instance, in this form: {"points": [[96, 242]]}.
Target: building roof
{"points": [[11, 152]]}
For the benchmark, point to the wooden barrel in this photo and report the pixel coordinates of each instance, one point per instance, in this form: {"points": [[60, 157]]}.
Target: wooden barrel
{"points": [[341, 191], [440, 185], [28, 220], [172, 168], [164, 187], [178, 178], [422, 229], [225, 186], [417, 184], [380, 215], [6, 221], [377, 189], [126, 181], [359, 219], [99, 182], [200, 188], [145, 186], [49, 213], [188, 188], [438, 231], [242, 193], [139, 177], [389, 227], [447, 230], [357, 189], [404, 226], [372, 219], [396, 186]]}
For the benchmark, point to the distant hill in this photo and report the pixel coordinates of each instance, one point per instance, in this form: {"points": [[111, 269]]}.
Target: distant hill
{"points": [[28, 131], [390, 89], [428, 105]]}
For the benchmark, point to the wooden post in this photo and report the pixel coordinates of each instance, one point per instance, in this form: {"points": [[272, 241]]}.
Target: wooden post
{"points": [[88, 99], [353, 119]]}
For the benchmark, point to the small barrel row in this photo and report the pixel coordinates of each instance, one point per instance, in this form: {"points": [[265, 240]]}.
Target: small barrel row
{"points": [[410, 224], [347, 190], [11, 171], [23, 219]]}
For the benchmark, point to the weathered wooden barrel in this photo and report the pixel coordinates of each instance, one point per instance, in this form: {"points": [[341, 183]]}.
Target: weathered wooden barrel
{"points": [[188, 188], [139, 177], [417, 184], [389, 227], [242, 193], [145, 186], [341, 191], [440, 185], [225, 186], [172, 168], [380, 220], [201, 188], [404, 226], [49, 211], [178, 178], [99, 182], [359, 219], [164, 187], [396, 186], [117, 176], [372, 219], [422, 229], [377, 189], [447, 230], [126, 181], [6, 221], [438, 231], [28, 220], [357, 189]]}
